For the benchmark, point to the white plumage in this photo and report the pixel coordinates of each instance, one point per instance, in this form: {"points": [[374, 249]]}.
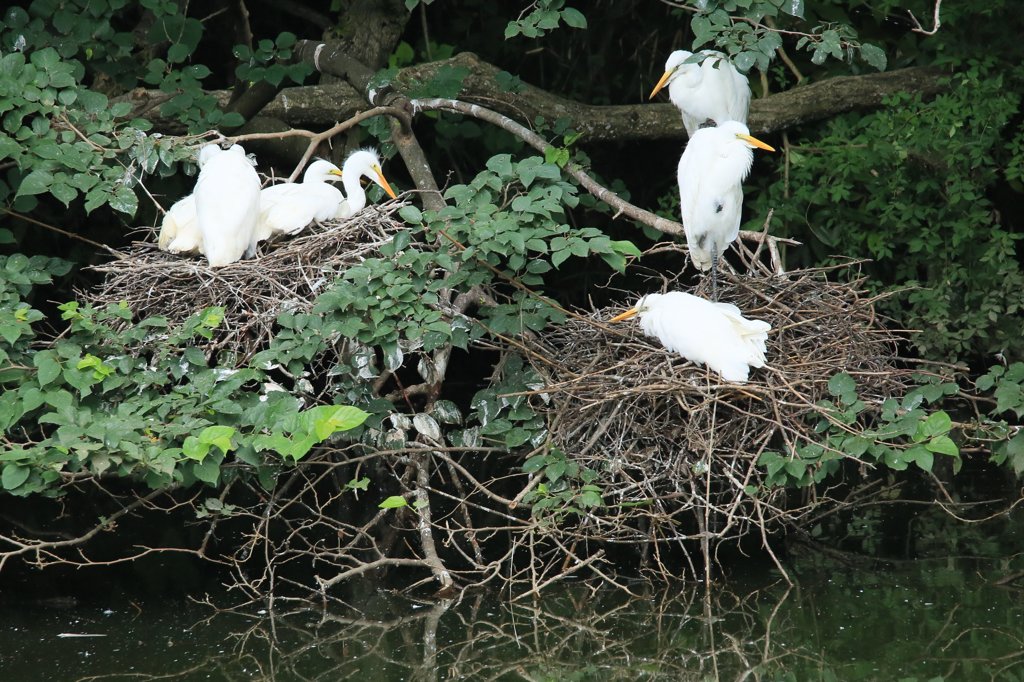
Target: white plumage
{"points": [[179, 231], [703, 332], [711, 89], [711, 172], [287, 208], [227, 199], [359, 164]]}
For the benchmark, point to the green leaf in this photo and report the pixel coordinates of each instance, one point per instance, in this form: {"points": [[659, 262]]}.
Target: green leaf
{"points": [[943, 445], [574, 18], [219, 436], [48, 366], [393, 502], [14, 475], [207, 471], [842, 384], [937, 424], [410, 214], [874, 56], [326, 420], [534, 464], [36, 182], [921, 456]]}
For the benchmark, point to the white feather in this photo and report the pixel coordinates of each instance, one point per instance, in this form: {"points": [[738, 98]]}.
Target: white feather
{"points": [[227, 198], [712, 89], [705, 333]]}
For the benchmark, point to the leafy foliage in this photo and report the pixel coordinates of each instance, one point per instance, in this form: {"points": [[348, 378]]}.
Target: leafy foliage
{"points": [[65, 136], [897, 434], [90, 402], [1007, 386], [910, 187]]}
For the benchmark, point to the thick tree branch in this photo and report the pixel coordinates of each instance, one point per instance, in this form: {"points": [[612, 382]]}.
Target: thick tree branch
{"points": [[320, 106]]}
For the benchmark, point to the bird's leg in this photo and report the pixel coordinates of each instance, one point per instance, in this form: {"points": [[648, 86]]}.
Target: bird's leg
{"points": [[714, 273]]}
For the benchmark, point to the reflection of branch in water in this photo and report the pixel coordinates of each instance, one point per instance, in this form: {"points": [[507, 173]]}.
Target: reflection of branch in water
{"points": [[484, 637]]}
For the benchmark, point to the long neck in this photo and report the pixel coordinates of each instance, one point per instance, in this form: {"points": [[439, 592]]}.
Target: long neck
{"points": [[354, 193]]}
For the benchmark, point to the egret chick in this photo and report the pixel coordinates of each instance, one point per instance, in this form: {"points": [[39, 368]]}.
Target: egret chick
{"points": [[287, 208], [711, 89], [359, 164], [706, 333], [179, 231], [711, 173], [227, 206]]}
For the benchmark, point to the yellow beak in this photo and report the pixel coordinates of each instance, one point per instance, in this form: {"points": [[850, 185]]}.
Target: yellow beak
{"points": [[625, 316], [334, 171], [661, 83], [382, 181], [756, 142]]}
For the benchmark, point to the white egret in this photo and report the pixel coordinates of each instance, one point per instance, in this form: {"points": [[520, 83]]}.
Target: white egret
{"points": [[179, 231], [227, 206], [287, 208], [711, 172], [361, 163], [706, 333], [712, 89]]}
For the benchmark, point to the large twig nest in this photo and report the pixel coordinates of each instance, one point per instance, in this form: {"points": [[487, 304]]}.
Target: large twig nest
{"points": [[679, 446], [287, 277]]}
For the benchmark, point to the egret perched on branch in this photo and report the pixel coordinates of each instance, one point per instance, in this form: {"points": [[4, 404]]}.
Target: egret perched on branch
{"points": [[360, 164], [711, 172], [287, 208], [711, 89], [179, 232], [227, 205], [712, 334]]}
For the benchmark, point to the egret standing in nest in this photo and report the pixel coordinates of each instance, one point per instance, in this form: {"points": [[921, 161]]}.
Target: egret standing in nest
{"points": [[363, 163], [712, 89], [227, 206], [287, 208], [706, 333], [711, 173], [179, 232]]}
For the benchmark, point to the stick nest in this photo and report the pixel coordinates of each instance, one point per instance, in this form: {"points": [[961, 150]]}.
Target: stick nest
{"points": [[677, 445], [286, 278]]}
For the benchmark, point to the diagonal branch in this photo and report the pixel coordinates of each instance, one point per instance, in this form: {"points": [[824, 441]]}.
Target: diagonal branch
{"points": [[601, 192]]}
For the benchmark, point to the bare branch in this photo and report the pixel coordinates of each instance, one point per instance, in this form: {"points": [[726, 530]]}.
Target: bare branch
{"points": [[936, 22]]}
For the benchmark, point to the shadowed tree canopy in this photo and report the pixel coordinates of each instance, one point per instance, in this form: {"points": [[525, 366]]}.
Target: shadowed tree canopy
{"points": [[431, 386]]}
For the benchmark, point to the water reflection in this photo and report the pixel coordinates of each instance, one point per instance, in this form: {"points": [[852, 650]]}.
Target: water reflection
{"points": [[924, 621]]}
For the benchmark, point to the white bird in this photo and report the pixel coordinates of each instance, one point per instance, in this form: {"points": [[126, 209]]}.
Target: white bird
{"points": [[706, 333], [287, 208], [711, 172], [712, 89], [227, 198], [179, 231], [361, 163]]}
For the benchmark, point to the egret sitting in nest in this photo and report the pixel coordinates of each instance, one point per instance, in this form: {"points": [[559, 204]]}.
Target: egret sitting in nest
{"points": [[712, 334], [227, 206], [179, 232], [363, 163], [289, 207]]}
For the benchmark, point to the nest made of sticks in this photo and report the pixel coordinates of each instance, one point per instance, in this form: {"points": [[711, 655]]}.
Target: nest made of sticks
{"points": [[287, 278], [680, 447]]}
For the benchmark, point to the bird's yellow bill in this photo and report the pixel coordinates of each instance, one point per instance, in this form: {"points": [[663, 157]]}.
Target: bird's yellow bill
{"points": [[334, 171], [382, 181], [756, 142], [660, 84], [625, 316]]}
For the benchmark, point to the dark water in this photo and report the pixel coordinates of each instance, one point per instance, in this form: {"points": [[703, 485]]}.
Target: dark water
{"points": [[933, 620]]}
